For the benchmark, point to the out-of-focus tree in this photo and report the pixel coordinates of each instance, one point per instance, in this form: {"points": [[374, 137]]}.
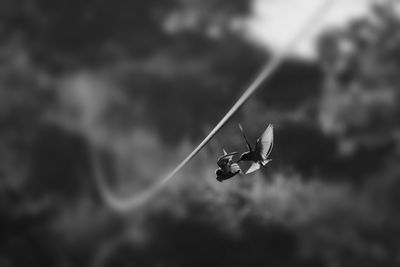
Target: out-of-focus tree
{"points": [[134, 76], [360, 109], [360, 100], [161, 62], [361, 95], [152, 53]]}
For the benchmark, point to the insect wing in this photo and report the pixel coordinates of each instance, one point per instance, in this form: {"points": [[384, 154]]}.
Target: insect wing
{"points": [[265, 142], [245, 139], [255, 166]]}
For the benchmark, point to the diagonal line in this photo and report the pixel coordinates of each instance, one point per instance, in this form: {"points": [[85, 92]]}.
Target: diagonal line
{"points": [[130, 203]]}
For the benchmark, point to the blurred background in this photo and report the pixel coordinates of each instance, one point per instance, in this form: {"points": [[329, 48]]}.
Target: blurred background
{"points": [[124, 90]]}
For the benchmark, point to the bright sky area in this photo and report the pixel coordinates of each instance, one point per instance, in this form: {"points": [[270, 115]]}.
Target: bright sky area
{"points": [[275, 22]]}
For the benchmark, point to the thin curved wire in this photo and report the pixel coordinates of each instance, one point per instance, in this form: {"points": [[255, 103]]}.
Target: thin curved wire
{"points": [[132, 202]]}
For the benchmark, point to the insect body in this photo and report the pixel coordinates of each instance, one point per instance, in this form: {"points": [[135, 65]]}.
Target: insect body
{"points": [[227, 169]]}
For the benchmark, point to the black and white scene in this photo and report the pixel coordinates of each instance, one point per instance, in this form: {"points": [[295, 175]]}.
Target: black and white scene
{"points": [[193, 133]]}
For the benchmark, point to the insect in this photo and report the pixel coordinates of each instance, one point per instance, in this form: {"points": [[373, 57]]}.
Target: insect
{"points": [[259, 155], [227, 169]]}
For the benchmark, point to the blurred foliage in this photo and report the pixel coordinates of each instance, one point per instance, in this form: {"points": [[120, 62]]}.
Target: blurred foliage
{"points": [[146, 80], [360, 97]]}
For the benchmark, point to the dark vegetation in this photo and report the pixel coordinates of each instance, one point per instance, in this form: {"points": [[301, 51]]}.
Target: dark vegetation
{"points": [[145, 81]]}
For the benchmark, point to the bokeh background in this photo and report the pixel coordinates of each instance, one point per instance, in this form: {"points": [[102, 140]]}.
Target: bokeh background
{"points": [[126, 89]]}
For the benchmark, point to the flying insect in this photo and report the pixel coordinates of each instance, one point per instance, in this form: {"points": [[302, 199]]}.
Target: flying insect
{"points": [[227, 169], [259, 155]]}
